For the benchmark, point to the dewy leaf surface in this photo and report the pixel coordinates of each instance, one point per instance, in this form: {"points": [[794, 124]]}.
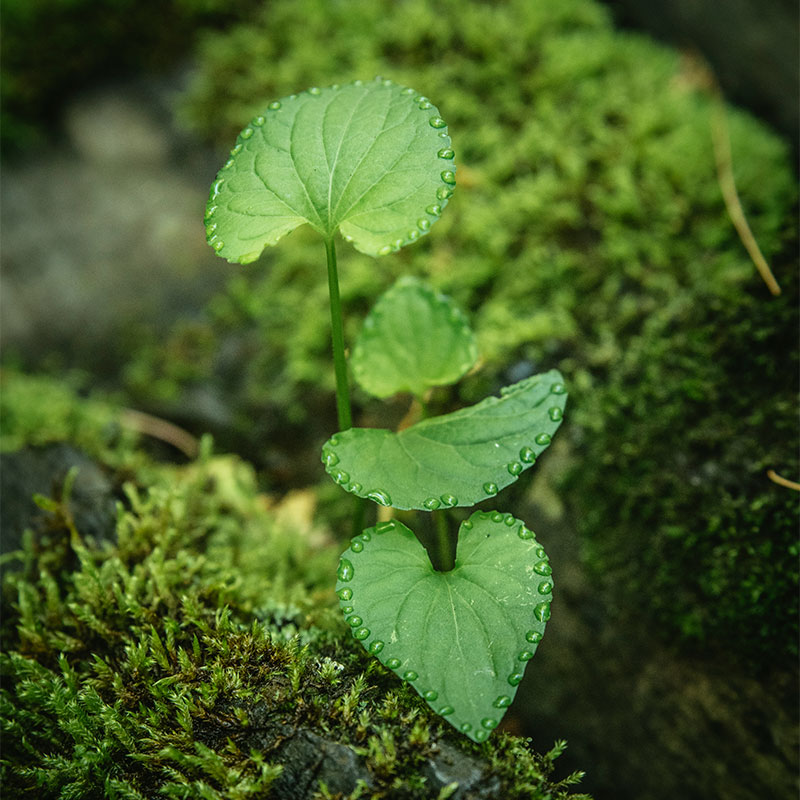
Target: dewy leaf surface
{"points": [[458, 459], [461, 638], [413, 338], [370, 159]]}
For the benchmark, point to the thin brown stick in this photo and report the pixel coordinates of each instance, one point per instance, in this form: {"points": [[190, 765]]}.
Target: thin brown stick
{"points": [[775, 478], [727, 184], [160, 429]]}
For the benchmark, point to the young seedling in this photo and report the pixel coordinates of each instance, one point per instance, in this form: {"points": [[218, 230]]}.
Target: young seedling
{"points": [[373, 161]]}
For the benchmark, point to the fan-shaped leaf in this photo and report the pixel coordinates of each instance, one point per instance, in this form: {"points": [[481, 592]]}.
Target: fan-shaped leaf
{"points": [[412, 339], [372, 160], [461, 638], [458, 459]]}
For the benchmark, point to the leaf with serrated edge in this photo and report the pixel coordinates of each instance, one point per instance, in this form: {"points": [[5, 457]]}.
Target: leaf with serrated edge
{"points": [[370, 159], [413, 338], [461, 638], [457, 459]]}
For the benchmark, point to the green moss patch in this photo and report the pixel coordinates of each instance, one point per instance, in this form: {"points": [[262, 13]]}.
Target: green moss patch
{"points": [[674, 496], [195, 652]]}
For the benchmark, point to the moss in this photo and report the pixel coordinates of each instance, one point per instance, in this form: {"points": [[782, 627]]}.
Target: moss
{"points": [[36, 410], [179, 656], [676, 507]]}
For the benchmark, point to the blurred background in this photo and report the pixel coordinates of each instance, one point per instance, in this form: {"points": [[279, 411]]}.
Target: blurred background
{"points": [[588, 233]]}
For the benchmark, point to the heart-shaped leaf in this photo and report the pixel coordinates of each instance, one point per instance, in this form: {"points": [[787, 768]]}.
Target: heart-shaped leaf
{"points": [[461, 638], [371, 159], [457, 459], [412, 339]]}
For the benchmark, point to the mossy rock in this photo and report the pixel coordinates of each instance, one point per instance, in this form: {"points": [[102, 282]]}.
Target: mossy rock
{"points": [[672, 492], [195, 651]]}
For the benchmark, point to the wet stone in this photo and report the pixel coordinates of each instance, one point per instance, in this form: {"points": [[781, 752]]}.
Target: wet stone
{"points": [[307, 759], [449, 765], [42, 470]]}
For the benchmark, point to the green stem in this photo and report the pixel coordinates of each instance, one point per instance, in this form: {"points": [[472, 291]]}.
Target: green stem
{"points": [[343, 409], [445, 557], [337, 330]]}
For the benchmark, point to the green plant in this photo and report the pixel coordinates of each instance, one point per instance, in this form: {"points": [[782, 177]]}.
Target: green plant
{"points": [[374, 162]]}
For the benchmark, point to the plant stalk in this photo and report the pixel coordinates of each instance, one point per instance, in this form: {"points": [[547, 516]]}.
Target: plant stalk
{"points": [[343, 408], [443, 549], [337, 331]]}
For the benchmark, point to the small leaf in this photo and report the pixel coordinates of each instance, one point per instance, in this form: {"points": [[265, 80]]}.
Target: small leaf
{"points": [[413, 339], [372, 160], [461, 638], [458, 459]]}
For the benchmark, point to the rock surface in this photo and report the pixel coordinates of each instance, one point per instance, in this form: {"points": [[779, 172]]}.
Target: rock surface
{"points": [[752, 46], [43, 470], [104, 234]]}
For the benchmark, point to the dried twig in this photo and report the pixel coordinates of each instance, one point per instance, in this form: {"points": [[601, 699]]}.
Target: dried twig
{"points": [[775, 478], [727, 184], [160, 429]]}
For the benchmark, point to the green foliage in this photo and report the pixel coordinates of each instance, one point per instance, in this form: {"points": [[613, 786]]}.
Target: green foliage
{"points": [[370, 160], [172, 661], [457, 459], [679, 510], [37, 410], [461, 638], [412, 340]]}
